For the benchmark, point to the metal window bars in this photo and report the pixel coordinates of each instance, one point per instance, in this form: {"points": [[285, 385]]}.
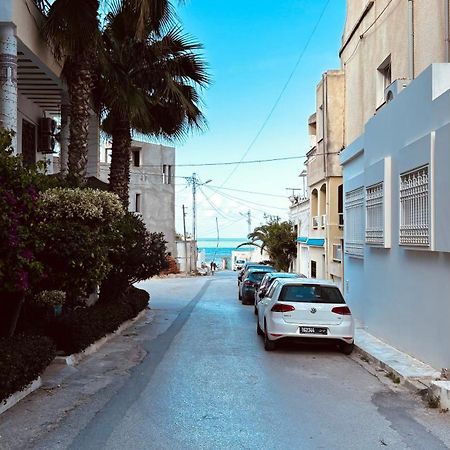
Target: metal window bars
{"points": [[43, 6], [415, 208], [375, 214], [354, 222]]}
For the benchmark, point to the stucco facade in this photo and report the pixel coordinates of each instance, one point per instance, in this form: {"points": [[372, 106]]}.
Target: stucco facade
{"points": [[395, 169], [325, 179], [300, 217], [152, 186]]}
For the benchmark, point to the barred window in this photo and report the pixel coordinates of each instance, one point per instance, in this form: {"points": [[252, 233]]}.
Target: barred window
{"points": [[415, 207], [354, 222], [375, 215]]}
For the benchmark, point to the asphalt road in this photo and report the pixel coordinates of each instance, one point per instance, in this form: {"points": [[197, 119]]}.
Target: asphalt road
{"points": [[207, 383]]}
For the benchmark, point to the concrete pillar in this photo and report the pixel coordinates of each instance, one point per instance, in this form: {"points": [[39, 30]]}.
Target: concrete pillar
{"points": [[8, 78], [64, 136]]}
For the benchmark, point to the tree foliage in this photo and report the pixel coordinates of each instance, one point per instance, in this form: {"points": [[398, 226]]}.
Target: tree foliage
{"points": [[278, 239]]}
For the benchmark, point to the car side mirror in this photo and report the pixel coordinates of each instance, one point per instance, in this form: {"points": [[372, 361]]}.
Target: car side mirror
{"points": [[262, 293]]}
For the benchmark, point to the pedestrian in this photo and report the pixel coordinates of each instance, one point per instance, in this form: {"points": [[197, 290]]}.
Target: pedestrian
{"points": [[212, 266]]}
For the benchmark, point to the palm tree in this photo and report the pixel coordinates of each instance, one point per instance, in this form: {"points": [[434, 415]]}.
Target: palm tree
{"points": [[278, 239], [149, 85], [72, 30]]}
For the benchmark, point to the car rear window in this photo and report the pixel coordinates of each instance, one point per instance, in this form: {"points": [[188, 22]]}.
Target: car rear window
{"points": [[256, 276], [311, 294]]}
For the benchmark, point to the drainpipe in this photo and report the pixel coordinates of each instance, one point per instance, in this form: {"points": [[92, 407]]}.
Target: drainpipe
{"points": [[447, 30], [411, 39]]}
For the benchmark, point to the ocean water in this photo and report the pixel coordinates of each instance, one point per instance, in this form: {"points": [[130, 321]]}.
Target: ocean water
{"points": [[218, 251]]}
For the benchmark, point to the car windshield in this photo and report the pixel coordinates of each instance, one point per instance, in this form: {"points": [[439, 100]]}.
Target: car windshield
{"points": [[256, 276], [311, 294]]}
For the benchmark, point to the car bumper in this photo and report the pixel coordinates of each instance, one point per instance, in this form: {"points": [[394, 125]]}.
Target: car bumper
{"points": [[278, 329]]}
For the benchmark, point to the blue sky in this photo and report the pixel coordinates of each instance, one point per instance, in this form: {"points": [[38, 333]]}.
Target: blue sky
{"points": [[251, 48]]}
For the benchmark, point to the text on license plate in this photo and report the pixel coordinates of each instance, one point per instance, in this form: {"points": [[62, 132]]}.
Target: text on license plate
{"points": [[312, 330]]}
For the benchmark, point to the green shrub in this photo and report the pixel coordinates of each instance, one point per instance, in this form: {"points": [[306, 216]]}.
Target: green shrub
{"points": [[22, 360], [77, 229], [136, 255], [75, 331]]}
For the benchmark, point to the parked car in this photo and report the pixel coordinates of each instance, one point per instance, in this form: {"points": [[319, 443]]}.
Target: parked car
{"points": [[248, 265], [238, 264], [267, 281], [253, 277], [305, 309]]}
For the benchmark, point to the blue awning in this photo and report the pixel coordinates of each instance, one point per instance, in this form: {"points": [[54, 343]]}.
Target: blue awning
{"points": [[315, 242], [302, 239]]}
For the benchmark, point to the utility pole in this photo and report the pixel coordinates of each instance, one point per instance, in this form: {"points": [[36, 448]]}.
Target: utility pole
{"points": [[248, 214], [194, 182], [185, 244]]}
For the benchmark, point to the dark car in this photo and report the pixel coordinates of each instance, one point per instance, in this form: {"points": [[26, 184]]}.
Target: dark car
{"points": [[250, 283], [267, 281], [249, 265]]}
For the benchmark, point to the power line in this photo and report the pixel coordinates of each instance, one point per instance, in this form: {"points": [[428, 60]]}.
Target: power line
{"points": [[249, 192], [277, 101], [230, 163]]}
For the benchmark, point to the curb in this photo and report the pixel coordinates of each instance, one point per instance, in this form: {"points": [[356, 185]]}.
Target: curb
{"points": [[20, 395], [75, 358]]}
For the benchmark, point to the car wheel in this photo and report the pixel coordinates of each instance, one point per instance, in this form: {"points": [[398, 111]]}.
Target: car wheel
{"points": [[259, 332], [345, 348], [268, 344]]}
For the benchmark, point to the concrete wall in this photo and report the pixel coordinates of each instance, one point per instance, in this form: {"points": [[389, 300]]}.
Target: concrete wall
{"points": [[157, 199], [383, 32], [299, 215], [400, 292]]}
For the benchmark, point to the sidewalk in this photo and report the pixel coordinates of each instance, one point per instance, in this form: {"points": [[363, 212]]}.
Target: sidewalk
{"points": [[415, 374]]}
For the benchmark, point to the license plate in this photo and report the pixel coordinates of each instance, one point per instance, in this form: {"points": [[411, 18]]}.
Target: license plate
{"points": [[312, 330]]}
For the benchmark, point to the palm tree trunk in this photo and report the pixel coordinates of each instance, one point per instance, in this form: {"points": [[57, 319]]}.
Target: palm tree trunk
{"points": [[119, 175], [80, 89]]}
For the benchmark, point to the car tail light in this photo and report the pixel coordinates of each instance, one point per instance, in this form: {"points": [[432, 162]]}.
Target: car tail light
{"points": [[279, 307], [342, 310], [248, 283]]}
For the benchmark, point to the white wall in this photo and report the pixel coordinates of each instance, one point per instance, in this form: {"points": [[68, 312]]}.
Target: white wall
{"points": [[401, 294]]}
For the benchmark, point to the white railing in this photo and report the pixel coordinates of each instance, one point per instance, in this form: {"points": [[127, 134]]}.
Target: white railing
{"points": [[354, 226], [323, 220], [337, 252]]}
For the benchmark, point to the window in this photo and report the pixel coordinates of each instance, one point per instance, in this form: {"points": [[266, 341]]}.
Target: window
{"points": [[337, 252], [375, 215], [136, 158], [167, 174], [415, 207], [384, 78], [313, 269], [137, 203], [28, 143], [311, 294], [341, 205], [354, 222]]}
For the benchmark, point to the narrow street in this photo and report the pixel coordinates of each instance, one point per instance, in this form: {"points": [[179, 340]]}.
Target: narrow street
{"points": [[207, 383]]}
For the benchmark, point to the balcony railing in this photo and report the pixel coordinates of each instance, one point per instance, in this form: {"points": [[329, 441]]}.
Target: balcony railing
{"points": [[323, 220], [43, 6]]}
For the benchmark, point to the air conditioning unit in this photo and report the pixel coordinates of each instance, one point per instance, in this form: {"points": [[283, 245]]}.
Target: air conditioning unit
{"points": [[46, 135], [394, 89]]}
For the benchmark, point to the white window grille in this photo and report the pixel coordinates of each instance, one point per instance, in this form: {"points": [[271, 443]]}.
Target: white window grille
{"points": [[415, 207], [375, 214], [354, 222], [315, 222]]}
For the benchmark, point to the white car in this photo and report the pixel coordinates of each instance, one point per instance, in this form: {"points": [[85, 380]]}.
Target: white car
{"points": [[305, 309], [239, 264]]}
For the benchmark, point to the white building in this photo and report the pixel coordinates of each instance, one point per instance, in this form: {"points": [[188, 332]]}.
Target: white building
{"points": [[299, 215], [152, 187], [397, 216]]}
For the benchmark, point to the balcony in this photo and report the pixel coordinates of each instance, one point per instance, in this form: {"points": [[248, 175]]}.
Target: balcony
{"points": [[323, 220]]}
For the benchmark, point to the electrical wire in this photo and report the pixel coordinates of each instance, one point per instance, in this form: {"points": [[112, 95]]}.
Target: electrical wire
{"points": [[277, 101], [249, 192], [217, 210]]}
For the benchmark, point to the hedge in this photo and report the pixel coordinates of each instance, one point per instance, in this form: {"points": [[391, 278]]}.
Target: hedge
{"points": [[75, 331], [22, 360]]}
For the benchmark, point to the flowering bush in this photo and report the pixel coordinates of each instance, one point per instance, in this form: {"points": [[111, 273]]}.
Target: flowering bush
{"points": [[77, 228], [136, 255], [51, 298]]}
